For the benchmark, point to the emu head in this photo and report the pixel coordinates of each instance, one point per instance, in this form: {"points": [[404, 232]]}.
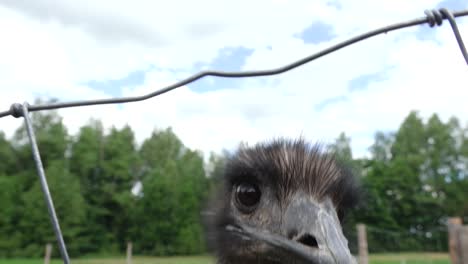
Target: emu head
{"points": [[281, 202]]}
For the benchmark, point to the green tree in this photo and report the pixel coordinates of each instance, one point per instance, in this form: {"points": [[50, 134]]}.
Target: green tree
{"points": [[156, 224], [69, 205], [174, 185], [381, 149], [9, 163], [115, 183], [342, 147], [106, 165], [51, 137], [160, 147], [215, 168], [85, 162], [461, 184], [10, 236], [10, 194], [52, 140], [192, 192]]}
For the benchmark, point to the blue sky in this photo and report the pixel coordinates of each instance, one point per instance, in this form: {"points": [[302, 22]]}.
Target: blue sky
{"points": [[233, 59], [82, 50]]}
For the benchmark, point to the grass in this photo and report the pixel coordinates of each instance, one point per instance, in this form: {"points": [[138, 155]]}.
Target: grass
{"points": [[407, 258], [135, 260], [410, 258]]}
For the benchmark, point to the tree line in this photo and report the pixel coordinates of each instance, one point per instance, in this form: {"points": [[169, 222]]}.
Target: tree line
{"points": [[413, 180], [91, 177]]}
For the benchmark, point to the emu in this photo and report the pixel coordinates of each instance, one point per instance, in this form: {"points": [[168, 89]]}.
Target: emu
{"points": [[281, 201]]}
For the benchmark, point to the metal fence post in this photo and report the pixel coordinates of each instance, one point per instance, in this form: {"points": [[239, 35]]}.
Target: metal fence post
{"points": [[44, 185]]}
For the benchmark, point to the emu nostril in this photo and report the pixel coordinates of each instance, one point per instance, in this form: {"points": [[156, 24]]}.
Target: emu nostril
{"points": [[308, 240]]}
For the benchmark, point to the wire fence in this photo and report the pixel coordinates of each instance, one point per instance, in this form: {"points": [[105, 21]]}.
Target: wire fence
{"points": [[381, 240], [433, 18]]}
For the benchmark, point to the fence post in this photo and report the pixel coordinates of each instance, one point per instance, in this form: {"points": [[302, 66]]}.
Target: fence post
{"points": [[463, 246], [129, 253], [48, 253], [362, 242], [454, 225]]}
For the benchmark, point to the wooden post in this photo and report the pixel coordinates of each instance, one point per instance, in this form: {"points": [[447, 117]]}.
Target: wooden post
{"points": [[362, 242], [129, 253], [454, 224], [48, 253], [463, 235]]}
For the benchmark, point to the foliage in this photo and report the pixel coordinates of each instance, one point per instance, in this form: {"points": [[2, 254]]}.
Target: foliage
{"points": [[413, 180], [91, 177]]}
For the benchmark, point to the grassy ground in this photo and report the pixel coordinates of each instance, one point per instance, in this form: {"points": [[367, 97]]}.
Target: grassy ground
{"points": [[409, 258], [135, 260]]}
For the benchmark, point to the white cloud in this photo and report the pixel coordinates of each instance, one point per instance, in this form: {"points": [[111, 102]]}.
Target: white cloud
{"points": [[53, 49]]}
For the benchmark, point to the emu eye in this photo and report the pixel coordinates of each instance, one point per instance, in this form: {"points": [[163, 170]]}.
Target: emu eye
{"points": [[247, 196]]}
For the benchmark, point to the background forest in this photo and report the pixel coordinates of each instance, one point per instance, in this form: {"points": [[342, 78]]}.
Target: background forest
{"points": [[413, 180]]}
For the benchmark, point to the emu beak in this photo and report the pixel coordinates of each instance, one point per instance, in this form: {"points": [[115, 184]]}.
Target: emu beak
{"points": [[312, 233], [317, 227]]}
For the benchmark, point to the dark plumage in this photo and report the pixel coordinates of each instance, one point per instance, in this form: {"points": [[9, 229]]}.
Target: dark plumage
{"points": [[281, 201]]}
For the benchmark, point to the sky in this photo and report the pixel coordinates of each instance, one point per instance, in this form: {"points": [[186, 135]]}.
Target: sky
{"points": [[81, 50]]}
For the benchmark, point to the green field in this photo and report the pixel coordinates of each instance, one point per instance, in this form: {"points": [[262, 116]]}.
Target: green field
{"points": [[135, 260], [409, 258]]}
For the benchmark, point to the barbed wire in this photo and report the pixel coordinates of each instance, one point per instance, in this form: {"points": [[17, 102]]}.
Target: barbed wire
{"points": [[433, 18], [376, 229]]}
